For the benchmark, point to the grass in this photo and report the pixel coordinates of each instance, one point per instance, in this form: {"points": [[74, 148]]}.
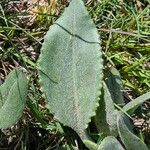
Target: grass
{"points": [[124, 28]]}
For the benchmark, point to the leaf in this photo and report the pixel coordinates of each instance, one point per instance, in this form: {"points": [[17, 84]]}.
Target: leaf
{"points": [[110, 143], [67, 147], [115, 86], [134, 104], [130, 141], [70, 68], [13, 96], [106, 115], [90, 145]]}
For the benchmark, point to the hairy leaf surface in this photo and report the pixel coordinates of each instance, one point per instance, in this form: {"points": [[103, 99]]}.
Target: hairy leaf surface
{"points": [[70, 67], [12, 98], [115, 86], [106, 115], [110, 143], [130, 141]]}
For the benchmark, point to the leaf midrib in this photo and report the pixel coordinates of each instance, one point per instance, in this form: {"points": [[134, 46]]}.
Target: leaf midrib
{"points": [[76, 98]]}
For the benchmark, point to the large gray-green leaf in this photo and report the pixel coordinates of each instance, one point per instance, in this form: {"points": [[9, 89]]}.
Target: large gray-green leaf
{"points": [[130, 141], [135, 103], [70, 67], [115, 86], [110, 143], [106, 115], [12, 98]]}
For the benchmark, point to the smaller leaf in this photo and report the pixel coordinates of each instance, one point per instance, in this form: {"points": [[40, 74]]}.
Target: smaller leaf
{"points": [[110, 143], [134, 104], [115, 86], [12, 98], [106, 115], [130, 141]]}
